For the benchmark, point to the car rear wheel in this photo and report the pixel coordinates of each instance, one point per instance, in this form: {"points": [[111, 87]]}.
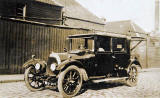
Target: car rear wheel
{"points": [[70, 81], [132, 76], [33, 80]]}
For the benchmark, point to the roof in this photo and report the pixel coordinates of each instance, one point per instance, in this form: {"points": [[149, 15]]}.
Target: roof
{"points": [[123, 27], [90, 35], [75, 10], [51, 2]]}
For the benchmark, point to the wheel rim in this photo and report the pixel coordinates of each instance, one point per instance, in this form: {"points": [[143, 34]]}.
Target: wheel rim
{"points": [[133, 75], [71, 82], [34, 79]]}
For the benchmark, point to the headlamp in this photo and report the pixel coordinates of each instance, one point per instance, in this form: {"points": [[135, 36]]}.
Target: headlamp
{"points": [[38, 66], [53, 66]]}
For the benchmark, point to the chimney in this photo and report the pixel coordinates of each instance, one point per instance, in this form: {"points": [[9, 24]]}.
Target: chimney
{"points": [[157, 16]]}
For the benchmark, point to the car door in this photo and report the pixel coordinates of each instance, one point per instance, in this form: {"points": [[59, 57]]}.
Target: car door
{"points": [[103, 55], [120, 51]]}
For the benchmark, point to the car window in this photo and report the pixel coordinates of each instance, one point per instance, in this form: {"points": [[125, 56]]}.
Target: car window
{"points": [[78, 43], [103, 44], [91, 44], [118, 44]]}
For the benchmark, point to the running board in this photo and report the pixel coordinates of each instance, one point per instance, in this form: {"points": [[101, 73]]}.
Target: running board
{"points": [[113, 79], [96, 77]]}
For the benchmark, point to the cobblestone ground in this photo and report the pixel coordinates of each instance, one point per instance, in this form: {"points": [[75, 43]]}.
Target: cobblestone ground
{"points": [[148, 87]]}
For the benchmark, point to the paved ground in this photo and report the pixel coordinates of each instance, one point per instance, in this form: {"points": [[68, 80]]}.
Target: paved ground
{"points": [[11, 78], [148, 87]]}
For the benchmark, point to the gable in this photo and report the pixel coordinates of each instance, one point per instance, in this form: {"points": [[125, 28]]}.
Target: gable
{"points": [[74, 10]]}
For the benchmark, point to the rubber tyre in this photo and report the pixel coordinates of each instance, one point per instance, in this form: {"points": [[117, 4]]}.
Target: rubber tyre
{"points": [[129, 80], [61, 78], [27, 80]]}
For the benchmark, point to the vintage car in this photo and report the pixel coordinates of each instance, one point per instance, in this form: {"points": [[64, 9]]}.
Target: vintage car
{"points": [[88, 57]]}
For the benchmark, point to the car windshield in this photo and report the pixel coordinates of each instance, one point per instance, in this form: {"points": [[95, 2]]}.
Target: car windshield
{"points": [[81, 44]]}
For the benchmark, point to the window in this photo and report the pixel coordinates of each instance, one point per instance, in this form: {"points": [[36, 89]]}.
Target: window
{"points": [[103, 44], [21, 11], [118, 44]]}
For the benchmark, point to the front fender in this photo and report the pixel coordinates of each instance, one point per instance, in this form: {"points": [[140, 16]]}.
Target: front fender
{"points": [[33, 62], [68, 62]]}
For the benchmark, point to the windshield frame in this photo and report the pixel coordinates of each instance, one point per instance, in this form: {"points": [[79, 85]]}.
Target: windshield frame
{"points": [[86, 44]]}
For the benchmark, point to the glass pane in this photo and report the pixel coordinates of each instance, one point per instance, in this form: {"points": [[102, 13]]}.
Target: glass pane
{"points": [[103, 44], [118, 44]]}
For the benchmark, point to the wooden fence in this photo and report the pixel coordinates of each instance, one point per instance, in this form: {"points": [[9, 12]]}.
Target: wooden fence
{"points": [[20, 39]]}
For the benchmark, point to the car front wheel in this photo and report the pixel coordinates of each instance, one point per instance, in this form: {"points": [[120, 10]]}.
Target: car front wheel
{"points": [[33, 80], [70, 81]]}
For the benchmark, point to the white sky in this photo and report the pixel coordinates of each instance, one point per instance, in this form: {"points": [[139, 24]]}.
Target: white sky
{"points": [[139, 11]]}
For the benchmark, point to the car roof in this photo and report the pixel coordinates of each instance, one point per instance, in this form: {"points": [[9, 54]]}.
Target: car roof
{"points": [[91, 35]]}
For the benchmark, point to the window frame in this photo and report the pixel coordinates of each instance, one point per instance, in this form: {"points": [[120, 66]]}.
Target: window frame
{"points": [[22, 8], [110, 44], [125, 45]]}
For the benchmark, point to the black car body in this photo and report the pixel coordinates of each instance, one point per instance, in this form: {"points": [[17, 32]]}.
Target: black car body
{"points": [[89, 56]]}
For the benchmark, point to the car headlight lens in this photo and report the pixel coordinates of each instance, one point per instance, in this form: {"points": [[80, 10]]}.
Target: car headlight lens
{"points": [[53, 66], [38, 66]]}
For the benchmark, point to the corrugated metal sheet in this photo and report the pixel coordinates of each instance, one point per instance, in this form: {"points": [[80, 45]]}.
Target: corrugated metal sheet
{"points": [[44, 13], [19, 40]]}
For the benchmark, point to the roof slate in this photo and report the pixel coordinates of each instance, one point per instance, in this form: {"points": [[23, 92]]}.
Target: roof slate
{"points": [[48, 2], [75, 10], [123, 27]]}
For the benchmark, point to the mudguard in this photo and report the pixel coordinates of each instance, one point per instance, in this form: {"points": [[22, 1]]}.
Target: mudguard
{"points": [[67, 63], [84, 74], [134, 61], [33, 62]]}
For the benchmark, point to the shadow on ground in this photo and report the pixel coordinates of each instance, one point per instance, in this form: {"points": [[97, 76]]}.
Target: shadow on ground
{"points": [[98, 86]]}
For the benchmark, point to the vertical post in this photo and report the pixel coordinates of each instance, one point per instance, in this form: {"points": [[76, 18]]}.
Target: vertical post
{"points": [[86, 43], [157, 19], [147, 52], [24, 11], [70, 44]]}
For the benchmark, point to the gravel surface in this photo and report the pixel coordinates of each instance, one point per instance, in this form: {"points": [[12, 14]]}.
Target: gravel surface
{"points": [[148, 87]]}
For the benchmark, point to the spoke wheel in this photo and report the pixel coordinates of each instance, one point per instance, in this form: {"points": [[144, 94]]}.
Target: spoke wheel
{"points": [[33, 80], [70, 81], [132, 76]]}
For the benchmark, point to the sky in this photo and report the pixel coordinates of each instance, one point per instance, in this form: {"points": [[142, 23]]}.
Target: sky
{"points": [[139, 11]]}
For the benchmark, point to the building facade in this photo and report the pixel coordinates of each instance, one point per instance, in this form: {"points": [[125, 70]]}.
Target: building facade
{"points": [[19, 40], [32, 10], [55, 12], [39, 27]]}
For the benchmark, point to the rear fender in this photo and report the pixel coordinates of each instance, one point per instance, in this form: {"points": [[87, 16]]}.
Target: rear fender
{"points": [[135, 62]]}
